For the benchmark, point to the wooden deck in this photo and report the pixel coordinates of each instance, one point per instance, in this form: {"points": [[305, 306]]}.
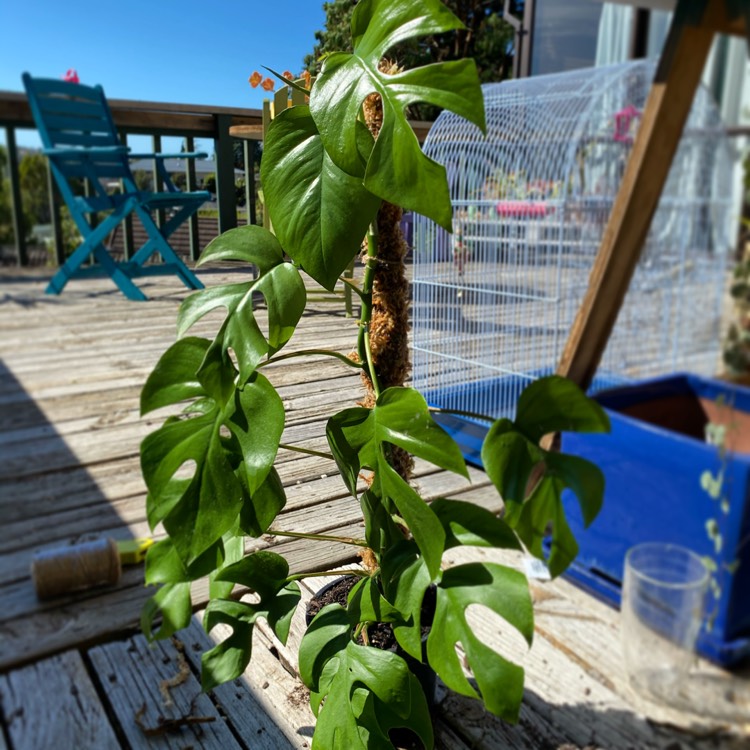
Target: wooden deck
{"points": [[76, 673]]}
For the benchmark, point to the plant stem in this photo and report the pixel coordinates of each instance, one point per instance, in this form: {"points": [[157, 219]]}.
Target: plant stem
{"points": [[351, 284], [320, 574], [366, 317], [459, 413], [308, 451], [318, 537], [311, 353]]}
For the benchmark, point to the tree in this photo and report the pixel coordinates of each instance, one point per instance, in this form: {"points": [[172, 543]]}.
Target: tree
{"points": [[487, 38], [32, 174], [6, 222]]}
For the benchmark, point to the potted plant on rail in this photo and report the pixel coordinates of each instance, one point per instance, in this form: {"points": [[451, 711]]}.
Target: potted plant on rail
{"points": [[325, 177]]}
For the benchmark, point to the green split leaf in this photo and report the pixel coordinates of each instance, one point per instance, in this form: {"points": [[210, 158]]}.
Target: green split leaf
{"points": [[358, 693], [359, 438], [531, 480], [397, 171], [322, 216], [280, 284], [504, 591], [198, 510], [266, 574]]}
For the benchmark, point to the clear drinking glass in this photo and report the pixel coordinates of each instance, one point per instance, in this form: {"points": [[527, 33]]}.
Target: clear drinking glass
{"points": [[662, 611]]}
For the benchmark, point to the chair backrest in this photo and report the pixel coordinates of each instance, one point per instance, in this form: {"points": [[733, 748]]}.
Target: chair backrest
{"points": [[76, 117]]}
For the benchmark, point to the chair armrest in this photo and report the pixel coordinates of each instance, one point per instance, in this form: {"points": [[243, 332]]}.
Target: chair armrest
{"points": [[90, 151], [188, 155]]}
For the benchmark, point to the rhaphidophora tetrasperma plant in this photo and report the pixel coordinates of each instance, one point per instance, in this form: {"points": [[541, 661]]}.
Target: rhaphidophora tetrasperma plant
{"points": [[324, 178]]}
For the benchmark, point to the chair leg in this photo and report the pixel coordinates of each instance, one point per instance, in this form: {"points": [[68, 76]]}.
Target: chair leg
{"points": [[68, 269], [157, 243], [121, 279]]}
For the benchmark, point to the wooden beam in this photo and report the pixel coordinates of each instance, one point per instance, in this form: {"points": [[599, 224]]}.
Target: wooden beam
{"points": [[664, 116]]}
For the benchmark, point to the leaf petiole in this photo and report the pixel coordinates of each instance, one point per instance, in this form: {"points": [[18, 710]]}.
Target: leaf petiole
{"points": [[307, 451], [312, 353], [322, 573], [318, 537], [460, 413]]}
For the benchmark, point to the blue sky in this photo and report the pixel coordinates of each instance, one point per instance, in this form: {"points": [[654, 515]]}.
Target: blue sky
{"points": [[157, 50]]}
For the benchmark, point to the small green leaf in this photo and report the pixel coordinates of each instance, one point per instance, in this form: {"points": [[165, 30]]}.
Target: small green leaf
{"points": [[265, 573], [249, 244], [532, 521], [326, 636], [509, 458], [400, 417], [359, 438], [174, 378], [556, 404], [198, 511], [504, 591], [405, 580], [228, 659], [164, 565], [173, 602], [211, 502], [279, 282], [471, 525], [366, 604], [322, 215], [511, 453]]}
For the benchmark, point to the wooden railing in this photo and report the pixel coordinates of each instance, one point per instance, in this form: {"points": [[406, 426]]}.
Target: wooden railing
{"points": [[157, 120]]}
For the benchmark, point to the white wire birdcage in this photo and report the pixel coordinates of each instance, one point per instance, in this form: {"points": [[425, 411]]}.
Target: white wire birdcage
{"points": [[494, 302]]}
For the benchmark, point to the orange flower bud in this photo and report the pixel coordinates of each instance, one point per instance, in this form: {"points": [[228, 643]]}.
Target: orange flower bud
{"points": [[268, 84], [308, 78], [255, 79], [288, 75]]}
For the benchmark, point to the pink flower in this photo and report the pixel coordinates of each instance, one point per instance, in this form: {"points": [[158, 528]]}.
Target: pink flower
{"points": [[71, 76]]}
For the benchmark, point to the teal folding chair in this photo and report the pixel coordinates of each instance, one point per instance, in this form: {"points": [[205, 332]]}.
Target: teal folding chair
{"points": [[80, 139]]}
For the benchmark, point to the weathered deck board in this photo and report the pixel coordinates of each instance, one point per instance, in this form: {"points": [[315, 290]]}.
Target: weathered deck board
{"points": [[70, 430], [71, 369], [136, 680], [33, 697]]}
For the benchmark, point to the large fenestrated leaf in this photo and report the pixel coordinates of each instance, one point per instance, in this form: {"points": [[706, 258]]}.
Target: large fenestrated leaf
{"points": [[202, 509], [398, 170], [265, 573], [359, 438], [279, 282], [511, 455], [358, 693], [320, 213], [504, 591]]}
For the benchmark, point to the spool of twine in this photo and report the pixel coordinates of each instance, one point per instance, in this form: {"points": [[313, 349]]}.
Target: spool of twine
{"points": [[81, 566]]}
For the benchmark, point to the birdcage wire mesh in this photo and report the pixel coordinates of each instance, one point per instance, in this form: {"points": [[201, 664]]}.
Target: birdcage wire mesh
{"points": [[493, 303]]}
